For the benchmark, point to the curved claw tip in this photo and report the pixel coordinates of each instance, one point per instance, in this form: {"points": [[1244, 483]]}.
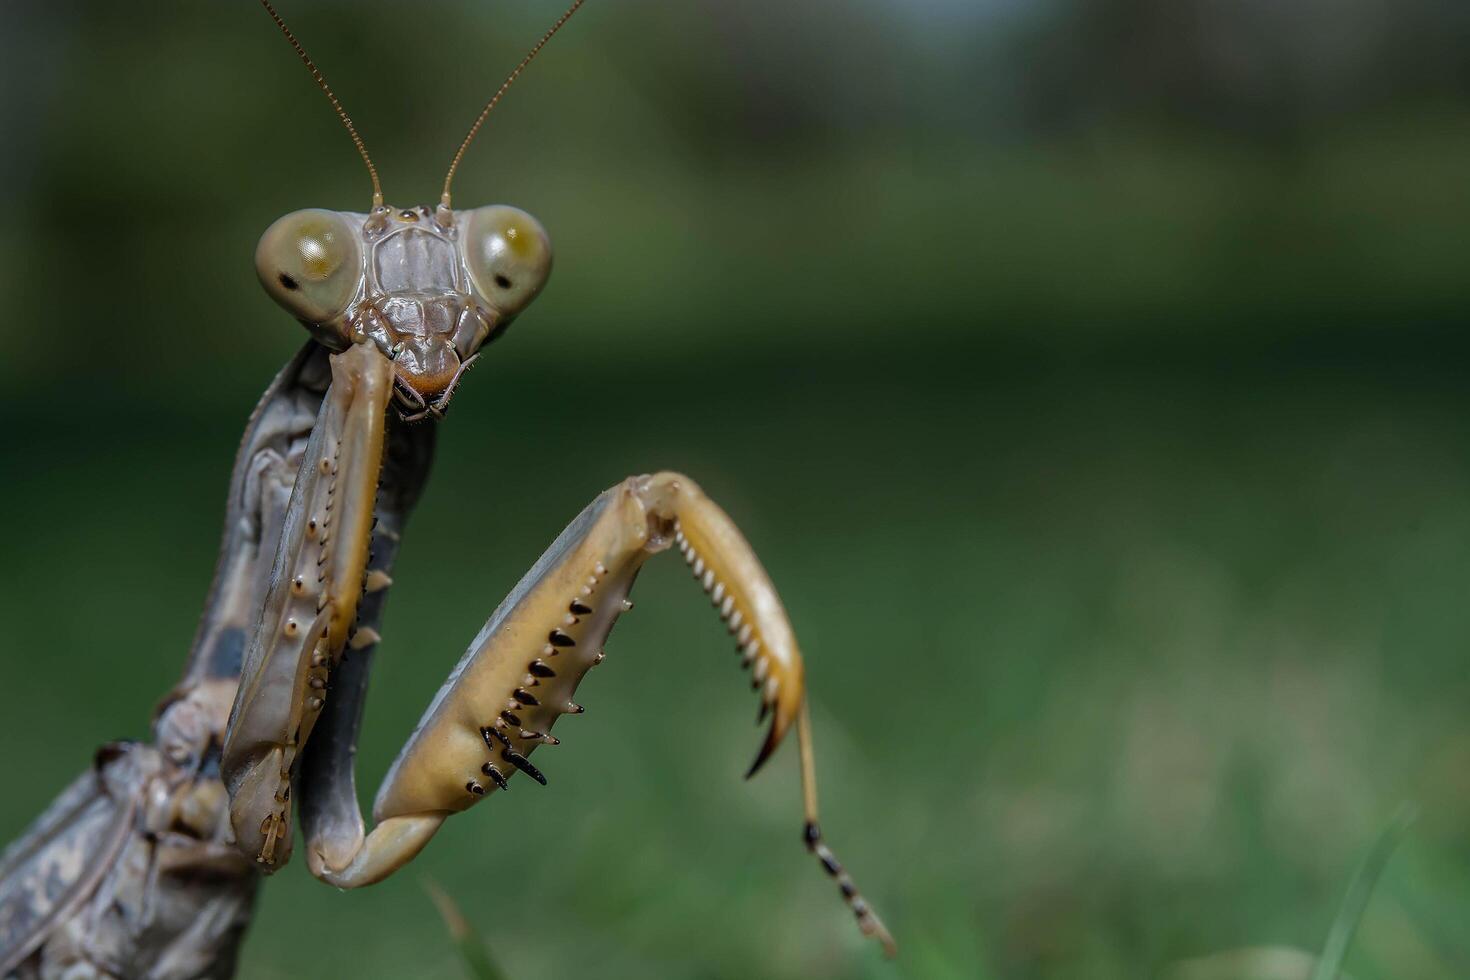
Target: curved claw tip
{"points": [[782, 712], [769, 746]]}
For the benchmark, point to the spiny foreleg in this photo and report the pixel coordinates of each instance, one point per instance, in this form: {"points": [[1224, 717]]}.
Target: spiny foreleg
{"points": [[718, 555], [519, 676], [311, 604]]}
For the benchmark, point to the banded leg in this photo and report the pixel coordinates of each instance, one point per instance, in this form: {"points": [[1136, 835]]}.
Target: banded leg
{"points": [[867, 919], [519, 675]]}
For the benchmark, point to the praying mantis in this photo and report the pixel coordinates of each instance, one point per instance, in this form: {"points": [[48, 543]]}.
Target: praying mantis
{"points": [[148, 864]]}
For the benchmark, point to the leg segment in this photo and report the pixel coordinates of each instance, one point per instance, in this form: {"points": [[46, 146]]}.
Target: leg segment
{"points": [[868, 920], [519, 675], [331, 820], [260, 486], [316, 582]]}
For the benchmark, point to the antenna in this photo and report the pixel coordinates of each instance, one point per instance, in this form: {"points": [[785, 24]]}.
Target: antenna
{"points": [[509, 79], [321, 82]]}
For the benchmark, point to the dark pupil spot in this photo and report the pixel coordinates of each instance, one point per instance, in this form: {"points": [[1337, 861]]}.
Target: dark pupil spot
{"points": [[288, 282], [502, 281]]}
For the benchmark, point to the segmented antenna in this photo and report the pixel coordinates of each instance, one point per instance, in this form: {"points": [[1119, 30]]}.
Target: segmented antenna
{"points": [[509, 79], [321, 82]]}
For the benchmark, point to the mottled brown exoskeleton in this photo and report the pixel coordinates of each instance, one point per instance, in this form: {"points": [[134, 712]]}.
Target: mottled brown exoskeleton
{"points": [[147, 865]]}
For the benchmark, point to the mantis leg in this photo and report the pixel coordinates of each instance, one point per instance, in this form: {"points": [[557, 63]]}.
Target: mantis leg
{"points": [[317, 580], [330, 815], [260, 488], [518, 677]]}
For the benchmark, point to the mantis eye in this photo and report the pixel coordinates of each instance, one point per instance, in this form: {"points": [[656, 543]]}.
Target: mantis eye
{"points": [[509, 257], [310, 261]]}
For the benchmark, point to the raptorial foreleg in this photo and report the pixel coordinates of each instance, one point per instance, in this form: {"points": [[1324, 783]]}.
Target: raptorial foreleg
{"points": [[311, 604], [520, 674]]}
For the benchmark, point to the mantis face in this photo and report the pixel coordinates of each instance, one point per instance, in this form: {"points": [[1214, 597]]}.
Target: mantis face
{"points": [[427, 287]]}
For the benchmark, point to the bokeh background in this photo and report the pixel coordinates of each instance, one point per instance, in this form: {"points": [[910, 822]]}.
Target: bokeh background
{"points": [[1090, 375]]}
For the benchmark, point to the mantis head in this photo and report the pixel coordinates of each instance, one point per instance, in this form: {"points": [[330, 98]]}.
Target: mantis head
{"points": [[428, 288]]}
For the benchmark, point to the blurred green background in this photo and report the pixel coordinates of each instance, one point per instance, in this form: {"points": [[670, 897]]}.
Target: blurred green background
{"points": [[1091, 377]]}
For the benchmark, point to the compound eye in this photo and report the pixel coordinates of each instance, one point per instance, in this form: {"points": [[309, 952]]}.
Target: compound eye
{"points": [[309, 261], [509, 257]]}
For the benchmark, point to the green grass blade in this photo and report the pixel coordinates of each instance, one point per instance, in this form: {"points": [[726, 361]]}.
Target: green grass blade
{"points": [[477, 960], [1360, 889]]}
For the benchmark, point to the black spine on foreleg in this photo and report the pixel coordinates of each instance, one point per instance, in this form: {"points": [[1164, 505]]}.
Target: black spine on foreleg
{"points": [[511, 755], [494, 774]]}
